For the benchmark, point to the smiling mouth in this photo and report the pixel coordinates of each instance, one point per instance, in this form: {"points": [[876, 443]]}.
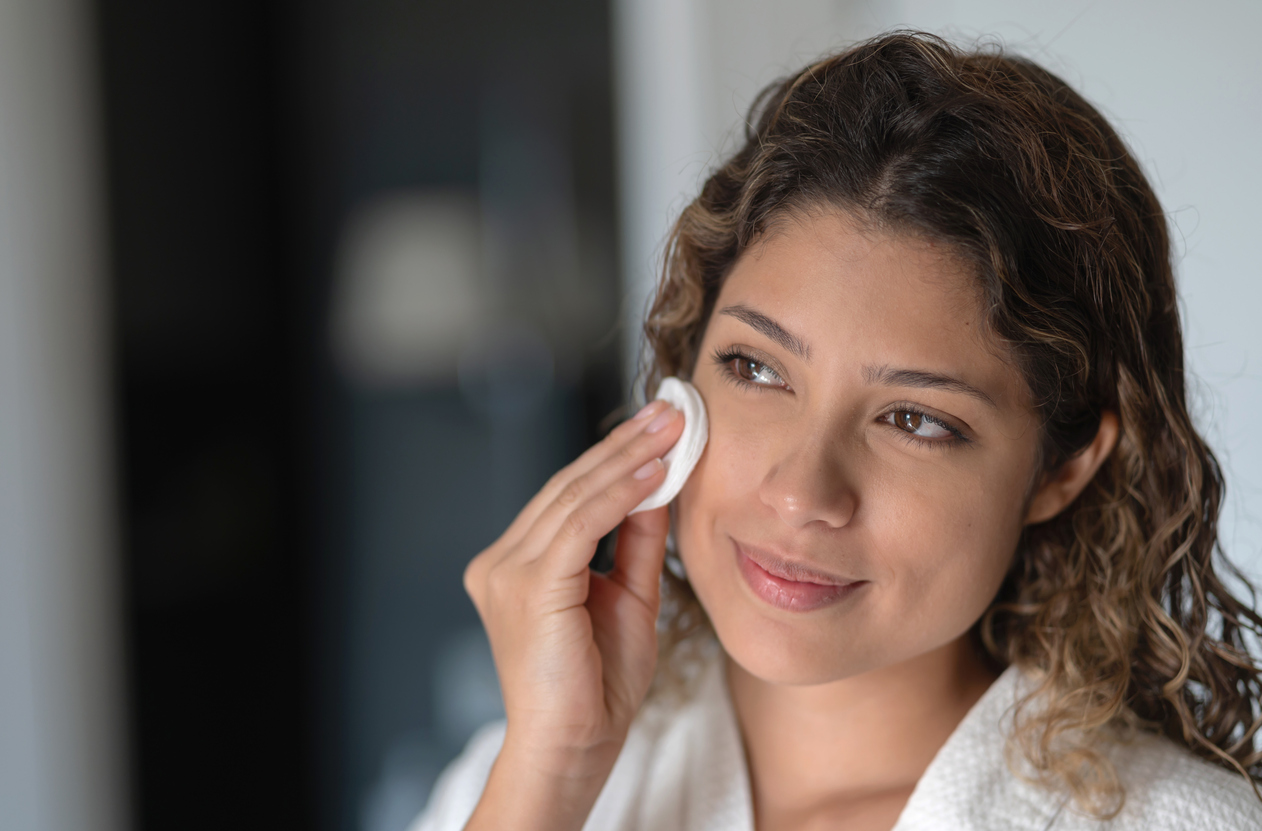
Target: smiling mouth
{"points": [[790, 586]]}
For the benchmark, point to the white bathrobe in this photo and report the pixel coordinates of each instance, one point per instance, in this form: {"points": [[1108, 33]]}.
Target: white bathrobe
{"points": [[684, 770]]}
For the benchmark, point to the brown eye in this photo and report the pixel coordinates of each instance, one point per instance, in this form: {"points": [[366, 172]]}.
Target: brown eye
{"points": [[919, 425], [754, 372]]}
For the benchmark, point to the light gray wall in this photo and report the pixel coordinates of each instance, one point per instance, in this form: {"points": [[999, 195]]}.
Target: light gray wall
{"points": [[686, 71], [62, 764], [1182, 81]]}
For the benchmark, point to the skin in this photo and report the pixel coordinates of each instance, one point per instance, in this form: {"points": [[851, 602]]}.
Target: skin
{"points": [[816, 457]]}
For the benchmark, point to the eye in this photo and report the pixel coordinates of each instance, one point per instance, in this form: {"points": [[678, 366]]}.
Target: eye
{"points": [[920, 425], [754, 372]]}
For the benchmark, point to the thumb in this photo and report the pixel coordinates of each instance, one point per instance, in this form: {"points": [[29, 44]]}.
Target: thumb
{"points": [[641, 548]]}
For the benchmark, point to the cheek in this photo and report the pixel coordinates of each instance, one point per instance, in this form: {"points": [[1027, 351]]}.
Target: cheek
{"points": [[945, 543], [726, 475], [732, 463], [724, 484]]}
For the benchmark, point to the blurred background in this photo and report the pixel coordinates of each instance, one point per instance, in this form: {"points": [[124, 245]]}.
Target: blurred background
{"points": [[300, 302]]}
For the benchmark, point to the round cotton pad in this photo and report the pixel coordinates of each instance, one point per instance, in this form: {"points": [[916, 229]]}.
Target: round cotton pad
{"points": [[681, 458]]}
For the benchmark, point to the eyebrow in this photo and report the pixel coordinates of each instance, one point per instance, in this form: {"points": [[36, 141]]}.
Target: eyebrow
{"points": [[923, 380], [770, 328], [884, 375]]}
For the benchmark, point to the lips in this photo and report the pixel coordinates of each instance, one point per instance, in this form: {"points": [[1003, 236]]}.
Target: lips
{"points": [[790, 586]]}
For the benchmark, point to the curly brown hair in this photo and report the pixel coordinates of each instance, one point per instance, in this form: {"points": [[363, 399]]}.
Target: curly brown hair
{"points": [[1117, 605]]}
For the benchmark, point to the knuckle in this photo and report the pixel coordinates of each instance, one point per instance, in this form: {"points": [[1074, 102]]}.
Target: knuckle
{"points": [[628, 453], [574, 526], [499, 586], [473, 577], [614, 496], [494, 580], [571, 494]]}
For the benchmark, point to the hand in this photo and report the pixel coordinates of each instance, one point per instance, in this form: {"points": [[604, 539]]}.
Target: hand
{"points": [[576, 650]]}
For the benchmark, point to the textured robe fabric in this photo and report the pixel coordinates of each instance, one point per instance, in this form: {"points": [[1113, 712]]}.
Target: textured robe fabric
{"points": [[683, 769]]}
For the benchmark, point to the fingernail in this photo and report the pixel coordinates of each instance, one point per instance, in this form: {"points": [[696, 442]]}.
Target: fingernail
{"points": [[666, 417], [648, 470], [646, 411]]}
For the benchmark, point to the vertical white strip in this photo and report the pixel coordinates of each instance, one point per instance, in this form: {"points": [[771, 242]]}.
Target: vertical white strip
{"points": [[660, 58], [686, 72], [62, 763]]}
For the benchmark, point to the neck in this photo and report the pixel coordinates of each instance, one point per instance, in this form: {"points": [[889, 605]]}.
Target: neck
{"points": [[869, 735]]}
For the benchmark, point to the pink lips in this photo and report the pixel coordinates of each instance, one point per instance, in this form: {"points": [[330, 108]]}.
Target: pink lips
{"points": [[789, 586]]}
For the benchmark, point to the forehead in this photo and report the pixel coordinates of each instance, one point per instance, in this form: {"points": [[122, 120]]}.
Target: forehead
{"points": [[861, 295], [826, 254]]}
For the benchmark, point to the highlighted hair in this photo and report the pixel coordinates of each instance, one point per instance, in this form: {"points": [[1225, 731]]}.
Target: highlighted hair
{"points": [[1117, 605]]}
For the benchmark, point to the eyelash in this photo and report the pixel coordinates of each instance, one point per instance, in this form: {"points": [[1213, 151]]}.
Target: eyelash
{"points": [[723, 358]]}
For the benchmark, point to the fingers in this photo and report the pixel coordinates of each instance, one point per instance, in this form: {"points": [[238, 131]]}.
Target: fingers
{"points": [[584, 501], [594, 456], [575, 651], [637, 564], [594, 503]]}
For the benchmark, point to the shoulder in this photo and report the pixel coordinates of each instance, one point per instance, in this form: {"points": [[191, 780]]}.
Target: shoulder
{"points": [[1168, 787], [458, 789], [972, 785]]}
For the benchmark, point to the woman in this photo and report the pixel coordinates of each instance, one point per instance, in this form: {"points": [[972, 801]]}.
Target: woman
{"points": [[953, 538]]}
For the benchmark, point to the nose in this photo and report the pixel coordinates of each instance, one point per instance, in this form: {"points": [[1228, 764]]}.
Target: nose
{"points": [[808, 484]]}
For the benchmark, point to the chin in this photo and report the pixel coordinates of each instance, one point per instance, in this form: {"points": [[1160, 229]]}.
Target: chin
{"points": [[788, 652]]}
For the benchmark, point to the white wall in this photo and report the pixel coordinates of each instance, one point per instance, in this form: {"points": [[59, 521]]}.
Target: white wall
{"points": [[62, 764], [1182, 81], [686, 71]]}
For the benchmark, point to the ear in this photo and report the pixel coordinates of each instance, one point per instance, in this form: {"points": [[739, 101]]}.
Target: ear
{"points": [[1062, 486]]}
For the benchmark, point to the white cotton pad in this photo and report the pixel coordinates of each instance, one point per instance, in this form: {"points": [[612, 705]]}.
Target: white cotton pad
{"points": [[681, 458]]}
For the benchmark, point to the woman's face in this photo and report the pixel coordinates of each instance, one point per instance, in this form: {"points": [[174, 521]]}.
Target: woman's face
{"points": [[863, 489]]}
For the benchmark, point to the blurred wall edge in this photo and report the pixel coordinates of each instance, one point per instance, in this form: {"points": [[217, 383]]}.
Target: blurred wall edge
{"points": [[686, 72], [62, 757]]}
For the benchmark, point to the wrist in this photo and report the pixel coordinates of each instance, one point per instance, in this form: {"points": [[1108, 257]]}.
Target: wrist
{"points": [[565, 766], [546, 789]]}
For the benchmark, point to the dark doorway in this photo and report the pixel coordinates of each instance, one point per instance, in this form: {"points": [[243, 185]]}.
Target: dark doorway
{"points": [[295, 519]]}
